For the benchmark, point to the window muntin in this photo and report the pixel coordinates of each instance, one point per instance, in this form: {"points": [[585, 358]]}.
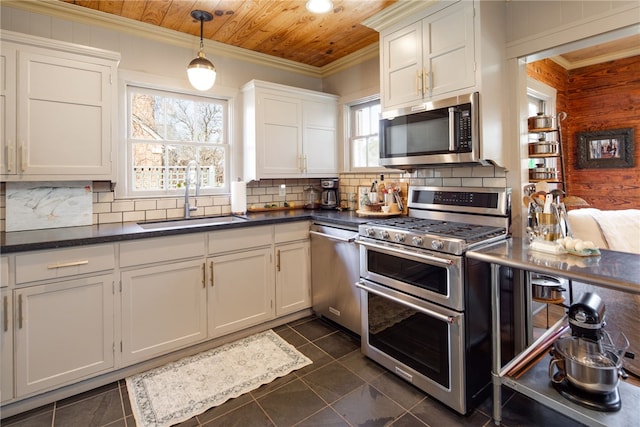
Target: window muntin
{"points": [[165, 131], [363, 139]]}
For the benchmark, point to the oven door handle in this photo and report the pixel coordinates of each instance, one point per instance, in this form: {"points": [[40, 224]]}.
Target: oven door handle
{"points": [[449, 319], [443, 261]]}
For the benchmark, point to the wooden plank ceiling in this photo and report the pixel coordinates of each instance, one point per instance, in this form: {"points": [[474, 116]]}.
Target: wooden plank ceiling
{"points": [[281, 28]]}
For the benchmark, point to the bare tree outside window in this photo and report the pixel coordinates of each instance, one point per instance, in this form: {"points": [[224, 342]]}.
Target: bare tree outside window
{"points": [[365, 149], [167, 131]]}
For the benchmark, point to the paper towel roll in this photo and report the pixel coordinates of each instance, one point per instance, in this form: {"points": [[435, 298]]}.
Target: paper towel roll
{"points": [[238, 197]]}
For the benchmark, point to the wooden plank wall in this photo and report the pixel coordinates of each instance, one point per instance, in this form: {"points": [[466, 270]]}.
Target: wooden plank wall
{"points": [[597, 97]]}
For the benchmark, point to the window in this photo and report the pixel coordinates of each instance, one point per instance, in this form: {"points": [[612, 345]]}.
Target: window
{"points": [[363, 140], [165, 131]]}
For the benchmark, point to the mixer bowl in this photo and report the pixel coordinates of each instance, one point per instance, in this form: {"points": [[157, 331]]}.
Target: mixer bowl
{"points": [[591, 366]]}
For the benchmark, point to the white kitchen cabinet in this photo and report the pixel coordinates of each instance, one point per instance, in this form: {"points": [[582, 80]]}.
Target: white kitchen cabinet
{"points": [[293, 267], [288, 132], [58, 110], [7, 109], [163, 295], [429, 58], [240, 279], [6, 343], [293, 277], [241, 290], [163, 309], [64, 332]]}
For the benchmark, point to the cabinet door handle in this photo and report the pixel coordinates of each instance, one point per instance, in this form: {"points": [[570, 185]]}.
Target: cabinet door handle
{"points": [[5, 307], [68, 264], [425, 80], [278, 260], [10, 157], [19, 311], [211, 272], [23, 157], [204, 285]]}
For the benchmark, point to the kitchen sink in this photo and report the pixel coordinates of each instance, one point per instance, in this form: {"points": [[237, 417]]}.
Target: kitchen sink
{"points": [[190, 222]]}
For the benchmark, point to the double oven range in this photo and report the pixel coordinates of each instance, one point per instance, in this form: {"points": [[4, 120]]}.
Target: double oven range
{"points": [[426, 308]]}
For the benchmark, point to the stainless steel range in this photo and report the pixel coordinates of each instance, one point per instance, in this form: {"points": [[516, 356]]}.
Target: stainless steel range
{"points": [[425, 306]]}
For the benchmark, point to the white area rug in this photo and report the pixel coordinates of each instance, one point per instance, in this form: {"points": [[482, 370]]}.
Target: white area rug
{"points": [[177, 391]]}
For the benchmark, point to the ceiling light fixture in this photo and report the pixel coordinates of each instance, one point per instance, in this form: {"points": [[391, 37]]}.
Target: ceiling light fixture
{"points": [[201, 72], [319, 6]]}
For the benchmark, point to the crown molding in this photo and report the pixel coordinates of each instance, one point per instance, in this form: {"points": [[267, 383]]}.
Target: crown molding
{"points": [[397, 12], [116, 23]]}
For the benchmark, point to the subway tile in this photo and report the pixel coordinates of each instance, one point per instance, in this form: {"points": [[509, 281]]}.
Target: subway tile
{"points": [[155, 214], [451, 182], [166, 203], [462, 172], [494, 182], [99, 208], [484, 171], [122, 206], [133, 216], [105, 197], [212, 210], [109, 218], [472, 182], [145, 205]]}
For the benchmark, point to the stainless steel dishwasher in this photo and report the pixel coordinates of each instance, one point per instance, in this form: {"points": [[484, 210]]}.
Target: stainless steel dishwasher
{"points": [[334, 271]]}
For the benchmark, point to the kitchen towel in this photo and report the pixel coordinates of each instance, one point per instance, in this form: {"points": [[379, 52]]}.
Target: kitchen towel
{"points": [[238, 197]]}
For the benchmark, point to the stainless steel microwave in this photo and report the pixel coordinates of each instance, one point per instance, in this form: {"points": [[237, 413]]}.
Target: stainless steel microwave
{"points": [[439, 132]]}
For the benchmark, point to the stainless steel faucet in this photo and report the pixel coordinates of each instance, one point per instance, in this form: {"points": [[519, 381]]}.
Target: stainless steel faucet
{"points": [[187, 207]]}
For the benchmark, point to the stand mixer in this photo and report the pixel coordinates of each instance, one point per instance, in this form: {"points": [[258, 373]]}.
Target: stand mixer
{"points": [[586, 365]]}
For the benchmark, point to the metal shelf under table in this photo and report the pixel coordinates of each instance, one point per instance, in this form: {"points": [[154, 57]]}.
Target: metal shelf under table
{"points": [[613, 270]]}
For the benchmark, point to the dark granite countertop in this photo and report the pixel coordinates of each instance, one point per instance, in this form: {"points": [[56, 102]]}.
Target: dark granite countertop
{"points": [[20, 241]]}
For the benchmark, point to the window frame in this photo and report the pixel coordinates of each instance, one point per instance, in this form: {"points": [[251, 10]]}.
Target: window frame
{"points": [[348, 127], [178, 87]]}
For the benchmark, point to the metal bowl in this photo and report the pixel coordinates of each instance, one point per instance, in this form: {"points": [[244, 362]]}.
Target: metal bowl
{"points": [[588, 365]]}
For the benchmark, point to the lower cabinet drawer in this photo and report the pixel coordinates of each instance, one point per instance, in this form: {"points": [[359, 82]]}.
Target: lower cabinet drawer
{"points": [[240, 239], [55, 263]]}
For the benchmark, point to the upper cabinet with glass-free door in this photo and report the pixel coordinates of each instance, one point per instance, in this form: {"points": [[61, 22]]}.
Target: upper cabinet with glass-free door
{"points": [[428, 58], [289, 132], [57, 105]]}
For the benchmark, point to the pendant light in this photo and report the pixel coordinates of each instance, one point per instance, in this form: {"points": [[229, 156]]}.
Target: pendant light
{"points": [[319, 6], [201, 72]]}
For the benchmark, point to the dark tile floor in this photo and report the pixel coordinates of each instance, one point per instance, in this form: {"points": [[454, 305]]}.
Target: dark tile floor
{"points": [[340, 388]]}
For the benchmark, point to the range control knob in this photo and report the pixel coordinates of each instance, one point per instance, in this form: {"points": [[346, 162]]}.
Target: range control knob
{"points": [[399, 237], [437, 244], [417, 241], [384, 234], [371, 232]]}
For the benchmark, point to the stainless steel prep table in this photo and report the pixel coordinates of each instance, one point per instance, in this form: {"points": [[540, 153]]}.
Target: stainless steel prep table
{"points": [[613, 270]]}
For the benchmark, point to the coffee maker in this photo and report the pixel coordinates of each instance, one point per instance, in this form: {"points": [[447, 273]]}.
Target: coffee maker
{"points": [[330, 196]]}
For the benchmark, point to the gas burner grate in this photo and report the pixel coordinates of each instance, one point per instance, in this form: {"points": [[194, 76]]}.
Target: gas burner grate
{"points": [[467, 232]]}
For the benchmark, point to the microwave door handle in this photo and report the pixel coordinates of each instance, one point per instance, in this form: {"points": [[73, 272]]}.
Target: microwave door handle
{"points": [[452, 129]]}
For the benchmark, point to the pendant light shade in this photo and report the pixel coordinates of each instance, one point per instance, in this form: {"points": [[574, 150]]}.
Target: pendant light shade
{"points": [[319, 6], [201, 72]]}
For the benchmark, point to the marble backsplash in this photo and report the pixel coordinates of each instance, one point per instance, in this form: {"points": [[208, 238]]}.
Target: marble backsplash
{"points": [[40, 205]]}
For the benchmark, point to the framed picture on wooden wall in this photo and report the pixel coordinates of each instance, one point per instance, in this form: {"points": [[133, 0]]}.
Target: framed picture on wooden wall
{"points": [[611, 148]]}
